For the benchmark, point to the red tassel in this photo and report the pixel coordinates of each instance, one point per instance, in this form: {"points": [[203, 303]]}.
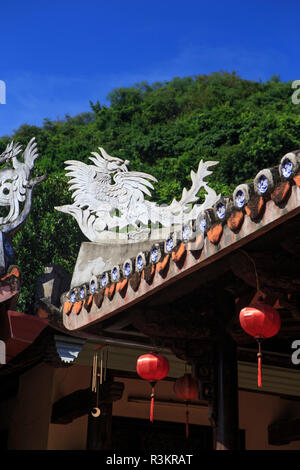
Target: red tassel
{"points": [[187, 423], [152, 405], [259, 356]]}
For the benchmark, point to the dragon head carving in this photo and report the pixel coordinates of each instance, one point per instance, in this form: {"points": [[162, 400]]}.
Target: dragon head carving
{"points": [[15, 183], [15, 194]]}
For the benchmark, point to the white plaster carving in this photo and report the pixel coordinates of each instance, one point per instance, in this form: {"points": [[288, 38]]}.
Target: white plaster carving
{"points": [[16, 190], [15, 184], [108, 198]]}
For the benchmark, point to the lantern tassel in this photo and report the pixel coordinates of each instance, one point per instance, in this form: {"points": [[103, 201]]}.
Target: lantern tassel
{"points": [[152, 403], [259, 363], [187, 421]]}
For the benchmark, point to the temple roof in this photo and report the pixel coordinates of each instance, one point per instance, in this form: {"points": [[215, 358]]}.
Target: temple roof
{"points": [[220, 234]]}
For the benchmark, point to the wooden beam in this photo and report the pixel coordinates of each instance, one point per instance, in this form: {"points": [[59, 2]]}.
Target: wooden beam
{"points": [[81, 402], [72, 406]]}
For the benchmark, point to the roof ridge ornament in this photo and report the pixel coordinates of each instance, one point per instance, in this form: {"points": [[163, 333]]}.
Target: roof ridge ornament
{"points": [[109, 201], [16, 189]]}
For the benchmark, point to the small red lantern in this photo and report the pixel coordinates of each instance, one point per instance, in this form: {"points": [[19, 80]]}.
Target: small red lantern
{"points": [[152, 367], [187, 389], [260, 321]]}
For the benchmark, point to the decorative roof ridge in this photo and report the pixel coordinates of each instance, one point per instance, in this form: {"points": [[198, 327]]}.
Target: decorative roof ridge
{"points": [[108, 199], [272, 197]]}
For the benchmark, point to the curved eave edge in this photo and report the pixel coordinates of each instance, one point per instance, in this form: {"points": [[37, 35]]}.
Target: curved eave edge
{"points": [[181, 261]]}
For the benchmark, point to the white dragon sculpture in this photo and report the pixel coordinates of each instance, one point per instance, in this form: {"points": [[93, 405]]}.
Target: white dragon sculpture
{"points": [[15, 183], [16, 190], [108, 196]]}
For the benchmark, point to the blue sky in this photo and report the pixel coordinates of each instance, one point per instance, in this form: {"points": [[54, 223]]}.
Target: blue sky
{"points": [[58, 55]]}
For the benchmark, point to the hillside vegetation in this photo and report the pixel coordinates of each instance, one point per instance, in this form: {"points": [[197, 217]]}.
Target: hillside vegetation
{"points": [[164, 129]]}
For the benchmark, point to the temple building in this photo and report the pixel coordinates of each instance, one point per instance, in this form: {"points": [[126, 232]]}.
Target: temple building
{"points": [[207, 294]]}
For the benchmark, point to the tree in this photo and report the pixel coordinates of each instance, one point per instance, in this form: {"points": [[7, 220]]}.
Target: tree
{"points": [[164, 129]]}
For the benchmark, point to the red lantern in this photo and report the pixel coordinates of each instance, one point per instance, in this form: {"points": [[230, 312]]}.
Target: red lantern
{"points": [[152, 367], [187, 389], [260, 321]]}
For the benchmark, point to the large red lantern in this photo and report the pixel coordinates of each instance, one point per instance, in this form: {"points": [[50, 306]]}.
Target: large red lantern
{"points": [[152, 367], [260, 321], [187, 389]]}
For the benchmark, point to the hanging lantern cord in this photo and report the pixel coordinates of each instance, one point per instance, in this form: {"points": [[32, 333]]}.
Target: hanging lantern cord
{"points": [[187, 420], [152, 401], [259, 358], [254, 265], [259, 354]]}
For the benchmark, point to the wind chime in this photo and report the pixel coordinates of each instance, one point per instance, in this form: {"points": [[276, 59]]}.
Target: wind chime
{"points": [[260, 321], [99, 371]]}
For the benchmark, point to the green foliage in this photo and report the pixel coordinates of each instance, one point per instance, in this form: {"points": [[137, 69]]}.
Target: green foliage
{"points": [[46, 237], [163, 128]]}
